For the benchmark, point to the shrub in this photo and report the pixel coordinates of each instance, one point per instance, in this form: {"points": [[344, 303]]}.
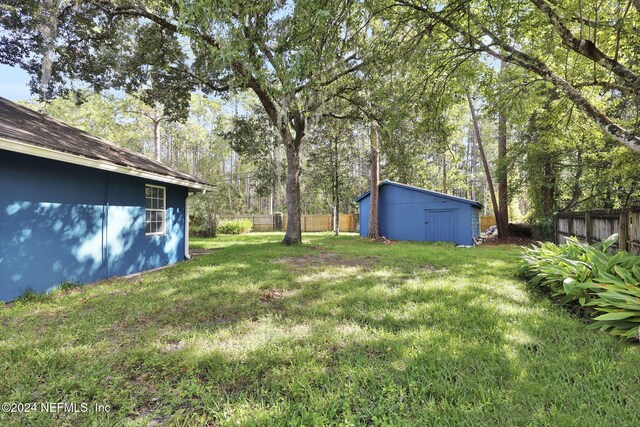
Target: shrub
{"points": [[588, 274], [543, 229], [234, 226], [203, 231]]}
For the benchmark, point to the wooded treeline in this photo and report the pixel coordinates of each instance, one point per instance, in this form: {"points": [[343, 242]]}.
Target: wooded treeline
{"points": [[529, 107]]}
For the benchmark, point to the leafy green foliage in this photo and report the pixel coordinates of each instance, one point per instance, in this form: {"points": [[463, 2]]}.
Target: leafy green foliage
{"points": [[543, 229], [235, 226], [591, 276]]}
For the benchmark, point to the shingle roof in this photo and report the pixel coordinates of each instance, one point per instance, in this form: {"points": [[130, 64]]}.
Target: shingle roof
{"points": [[422, 190], [18, 123]]}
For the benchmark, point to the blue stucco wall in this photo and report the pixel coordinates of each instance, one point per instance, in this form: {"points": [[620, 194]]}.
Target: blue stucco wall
{"points": [[60, 222], [406, 214]]}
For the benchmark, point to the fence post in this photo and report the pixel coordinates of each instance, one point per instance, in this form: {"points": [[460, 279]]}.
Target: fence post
{"points": [[587, 224], [623, 235], [570, 224], [277, 221]]}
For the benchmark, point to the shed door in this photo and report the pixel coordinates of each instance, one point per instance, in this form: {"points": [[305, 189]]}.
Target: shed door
{"points": [[439, 225]]}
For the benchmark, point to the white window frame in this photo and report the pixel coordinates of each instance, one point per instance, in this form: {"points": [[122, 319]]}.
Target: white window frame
{"points": [[163, 210]]}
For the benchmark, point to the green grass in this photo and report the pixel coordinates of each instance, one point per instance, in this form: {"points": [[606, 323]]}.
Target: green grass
{"points": [[339, 331]]}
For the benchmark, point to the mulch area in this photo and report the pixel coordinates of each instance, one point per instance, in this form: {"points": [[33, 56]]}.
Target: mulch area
{"points": [[384, 240], [511, 240]]}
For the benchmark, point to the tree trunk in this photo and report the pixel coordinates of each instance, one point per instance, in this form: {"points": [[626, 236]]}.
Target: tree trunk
{"points": [[194, 169], [276, 188], [48, 14], [373, 231], [281, 118], [156, 139], [473, 163], [502, 216], [485, 164], [247, 187], [336, 217], [169, 148], [548, 190], [293, 235], [444, 173], [336, 190]]}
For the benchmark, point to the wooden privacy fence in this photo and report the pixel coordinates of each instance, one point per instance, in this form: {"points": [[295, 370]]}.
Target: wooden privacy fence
{"points": [[278, 222], [487, 221], [260, 222], [597, 225]]}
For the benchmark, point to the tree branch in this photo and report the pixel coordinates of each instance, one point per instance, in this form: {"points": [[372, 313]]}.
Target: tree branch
{"points": [[129, 10], [587, 48], [537, 66], [605, 85]]}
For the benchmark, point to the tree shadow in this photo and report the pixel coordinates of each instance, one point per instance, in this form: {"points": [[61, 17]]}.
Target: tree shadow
{"points": [[388, 343]]}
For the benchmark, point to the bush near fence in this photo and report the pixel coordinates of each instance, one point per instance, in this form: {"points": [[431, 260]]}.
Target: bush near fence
{"points": [[234, 226], [591, 276]]}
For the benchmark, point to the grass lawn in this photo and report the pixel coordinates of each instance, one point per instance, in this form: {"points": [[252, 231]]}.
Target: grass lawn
{"points": [[339, 331]]}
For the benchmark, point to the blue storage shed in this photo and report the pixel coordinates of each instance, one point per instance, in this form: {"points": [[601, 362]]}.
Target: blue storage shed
{"points": [[74, 207], [411, 213]]}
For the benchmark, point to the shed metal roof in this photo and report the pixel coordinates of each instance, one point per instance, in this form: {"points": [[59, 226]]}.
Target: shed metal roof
{"points": [[422, 190], [27, 131]]}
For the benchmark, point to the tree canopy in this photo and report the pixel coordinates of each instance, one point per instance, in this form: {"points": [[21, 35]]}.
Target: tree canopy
{"points": [[313, 84]]}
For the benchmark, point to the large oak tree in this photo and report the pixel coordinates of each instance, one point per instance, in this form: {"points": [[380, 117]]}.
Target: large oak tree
{"points": [[293, 56]]}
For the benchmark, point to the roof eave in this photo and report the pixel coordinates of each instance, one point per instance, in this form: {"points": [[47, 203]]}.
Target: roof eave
{"points": [[422, 190], [363, 196], [47, 153]]}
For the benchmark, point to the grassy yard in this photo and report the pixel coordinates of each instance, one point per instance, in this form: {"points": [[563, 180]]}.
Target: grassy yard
{"points": [[339, 331]]}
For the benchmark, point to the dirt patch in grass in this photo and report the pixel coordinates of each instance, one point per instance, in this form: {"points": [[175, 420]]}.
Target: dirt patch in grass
{"points": [[276, 294], [272, 295], [327, 259], [174, 346]]}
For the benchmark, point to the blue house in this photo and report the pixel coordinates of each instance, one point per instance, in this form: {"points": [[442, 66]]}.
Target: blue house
{"points": [[74, 207], [412, 213]]}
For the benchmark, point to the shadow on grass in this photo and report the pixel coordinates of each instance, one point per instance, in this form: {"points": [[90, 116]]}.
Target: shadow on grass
{"points": [[427, 334]]}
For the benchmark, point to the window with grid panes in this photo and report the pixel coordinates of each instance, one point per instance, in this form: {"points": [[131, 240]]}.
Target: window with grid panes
{"points": [[155, 209]]}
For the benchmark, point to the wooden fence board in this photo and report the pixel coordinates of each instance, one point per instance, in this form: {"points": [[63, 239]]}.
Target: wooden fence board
{"points": [[597, 225], [487, 221], [347, 222]]}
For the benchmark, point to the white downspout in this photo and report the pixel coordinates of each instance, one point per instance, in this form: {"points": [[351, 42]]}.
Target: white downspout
{"points": [[186, 221], [186, 226]]}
